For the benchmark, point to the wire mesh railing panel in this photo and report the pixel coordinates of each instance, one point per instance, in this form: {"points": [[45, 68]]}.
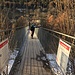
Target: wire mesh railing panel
{"points": [[49, 41]]}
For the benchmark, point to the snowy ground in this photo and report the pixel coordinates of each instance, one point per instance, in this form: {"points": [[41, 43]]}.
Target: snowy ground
{"points": [[11, 60], [54, 66]]}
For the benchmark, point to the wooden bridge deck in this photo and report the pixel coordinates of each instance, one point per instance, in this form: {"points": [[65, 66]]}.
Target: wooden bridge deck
{"points": [[31, 66]]}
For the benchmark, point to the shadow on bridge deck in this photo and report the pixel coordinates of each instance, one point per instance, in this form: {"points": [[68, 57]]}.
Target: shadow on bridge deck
{"points": [[29, 64]]}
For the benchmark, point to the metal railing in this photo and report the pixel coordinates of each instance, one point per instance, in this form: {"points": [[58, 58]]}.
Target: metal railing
{"points": [[11, 29], [71, 37], [50, 41], [12, 34]]}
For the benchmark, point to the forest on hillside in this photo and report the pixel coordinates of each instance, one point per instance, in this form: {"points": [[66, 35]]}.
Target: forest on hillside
{"points": [[55, 15]]}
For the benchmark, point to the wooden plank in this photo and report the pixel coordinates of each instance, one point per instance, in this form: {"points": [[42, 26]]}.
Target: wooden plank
{"points": [[31, 65]]}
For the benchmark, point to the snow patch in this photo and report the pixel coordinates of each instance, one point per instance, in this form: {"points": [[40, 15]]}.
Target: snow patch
{"points": [[13, 55]]}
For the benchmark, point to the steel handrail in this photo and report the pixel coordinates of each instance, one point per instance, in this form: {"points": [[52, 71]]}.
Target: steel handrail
{"points": [[12, 29], [72, 37]]}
